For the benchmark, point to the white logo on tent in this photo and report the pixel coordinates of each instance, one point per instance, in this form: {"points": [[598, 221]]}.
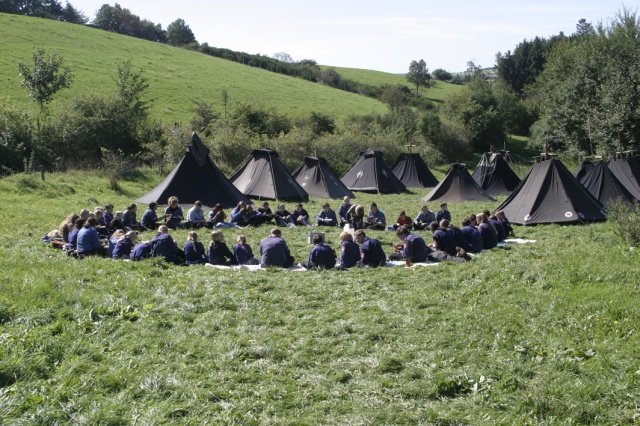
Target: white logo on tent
{"points": [[568, 214], [360, 173], [603, 211], [384, 172], [527, 217], [581, 215]]}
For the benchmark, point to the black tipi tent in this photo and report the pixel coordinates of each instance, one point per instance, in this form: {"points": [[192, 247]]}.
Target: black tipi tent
{"points": [[264, 176], [494, 175], [627, 170], [602, 183], [413, 171], [315, 177], [371, 174], [551, 194], [457, 186], [196, 177]]}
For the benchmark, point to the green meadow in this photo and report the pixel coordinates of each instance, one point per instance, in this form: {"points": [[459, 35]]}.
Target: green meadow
{"points": [[541, 333]]}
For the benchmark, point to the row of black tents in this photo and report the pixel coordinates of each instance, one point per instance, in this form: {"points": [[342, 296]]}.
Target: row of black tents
{"points": [[548, 194]]}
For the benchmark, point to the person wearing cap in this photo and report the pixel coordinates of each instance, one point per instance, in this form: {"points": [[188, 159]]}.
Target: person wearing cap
{"points": [[218, 252], [327, 217], [124, 246]]}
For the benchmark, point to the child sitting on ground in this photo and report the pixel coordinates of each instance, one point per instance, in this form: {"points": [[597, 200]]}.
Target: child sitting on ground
{"points": [[243, 253], [219, 253]]}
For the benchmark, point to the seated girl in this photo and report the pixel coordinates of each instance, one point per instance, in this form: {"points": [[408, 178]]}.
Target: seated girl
{"points": [[124, 246], [219, 253], [67, 225], [173, 215], [243, 253], [193, 250], [129, 219], [113, 240]]}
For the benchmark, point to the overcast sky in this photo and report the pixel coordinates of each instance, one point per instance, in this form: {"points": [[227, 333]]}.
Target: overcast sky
{"points": [[372, 34]]}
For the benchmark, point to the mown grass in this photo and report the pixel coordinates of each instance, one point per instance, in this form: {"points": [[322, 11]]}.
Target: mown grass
{"points": [[177, 77], [545, 333]]}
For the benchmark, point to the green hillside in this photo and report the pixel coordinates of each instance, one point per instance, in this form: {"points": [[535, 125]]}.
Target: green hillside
{"points": [[177, 76], [378, 78]]}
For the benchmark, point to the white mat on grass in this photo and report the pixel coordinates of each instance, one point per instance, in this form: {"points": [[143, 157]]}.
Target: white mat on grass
{"points": [[518, 241]]}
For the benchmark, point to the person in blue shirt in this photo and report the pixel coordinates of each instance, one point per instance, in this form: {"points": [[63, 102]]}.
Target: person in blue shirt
{"points": [[88, 240], [107, 215], [219, 253], [321, 256], [239, 215], [442, 240], [473, 236], [343, 211], [500, 232], [73, 234], [443, 213], [283, 217], [195, 216], [265, 212], [508, 229], [371, 251], [163, 245], [243, 252], [375, 218], [124, 246], [349, 251], [193, 250], [461, 240], [413, 247], [141, 251], [173, 215], [113, 241], [274, 251], [129, 218], [327, 217], [424, 219], [149, 218], [488, 232]]}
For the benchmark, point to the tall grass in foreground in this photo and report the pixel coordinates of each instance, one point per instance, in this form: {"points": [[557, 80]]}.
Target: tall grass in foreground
{"points": [[544, 333]]}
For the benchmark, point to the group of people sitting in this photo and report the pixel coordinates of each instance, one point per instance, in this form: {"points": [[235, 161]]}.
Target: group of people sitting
{"points": [[105, 233]]}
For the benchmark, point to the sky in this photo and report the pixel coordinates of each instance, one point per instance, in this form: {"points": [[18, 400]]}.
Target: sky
{"points": [[373, 34]]}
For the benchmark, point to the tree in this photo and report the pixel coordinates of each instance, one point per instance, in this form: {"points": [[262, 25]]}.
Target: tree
{"points": [[442, 75], [45, 78], [419, 74], [179, 33], [283, 57]]}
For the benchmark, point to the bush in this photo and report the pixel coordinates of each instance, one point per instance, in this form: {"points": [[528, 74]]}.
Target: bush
{"points": [[628, 219]]}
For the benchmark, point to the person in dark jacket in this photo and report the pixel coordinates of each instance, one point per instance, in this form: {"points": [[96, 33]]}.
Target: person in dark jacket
{"points": [[327, 217], [193, 250], [124, 246], [73, 234], [243, 252], [219, 253], [461, 240], [149, 218], [488, 232], [442, 240], [141, 251], [163, 245], [173, 215], [413, 247], [508, 229], [321, 256], [371, 251], [349, 251], [343, 211], [129, 218], [274, 251], [473, 236], [89, 241]]}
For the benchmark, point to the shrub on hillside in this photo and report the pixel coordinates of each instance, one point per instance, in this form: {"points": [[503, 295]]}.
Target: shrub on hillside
{"points": [[628, 219]]}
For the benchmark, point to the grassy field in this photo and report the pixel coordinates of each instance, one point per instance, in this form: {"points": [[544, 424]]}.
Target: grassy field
{"points": [[378, 78], [177, 77], [544, 333]]}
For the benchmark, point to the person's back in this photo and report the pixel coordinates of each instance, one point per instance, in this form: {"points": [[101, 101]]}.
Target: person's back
{"points": [[73, 238], [373, 254], [489, 236], [349, 254], [322, 256], [163, 245], [444, 241], [500, 232], [140, 251], [219, 253], [415, 248], [123, 248], [193, 252], [88, 240], [473, 237], [243, 253], [274, 252], [461, 240]]}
